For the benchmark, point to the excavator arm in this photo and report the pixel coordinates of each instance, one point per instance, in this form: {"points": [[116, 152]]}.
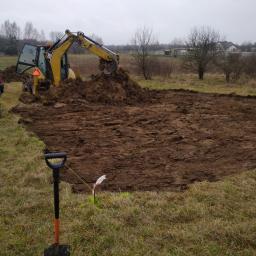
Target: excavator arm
{"points": [[54, 56], [108, 59]]}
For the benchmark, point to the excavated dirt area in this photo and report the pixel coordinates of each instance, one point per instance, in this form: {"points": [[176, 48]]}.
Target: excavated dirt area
{"points": [[144, 140]]}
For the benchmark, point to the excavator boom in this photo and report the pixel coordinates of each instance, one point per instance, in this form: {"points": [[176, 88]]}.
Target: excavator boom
{"points": [[54, 57], [108, 59]]}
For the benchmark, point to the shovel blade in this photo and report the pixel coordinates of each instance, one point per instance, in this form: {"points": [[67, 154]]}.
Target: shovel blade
{"points": [[57, 250]]}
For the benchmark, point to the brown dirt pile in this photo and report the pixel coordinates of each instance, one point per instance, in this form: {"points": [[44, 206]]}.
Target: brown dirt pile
{"points": [[9, 75], [113, 90]]}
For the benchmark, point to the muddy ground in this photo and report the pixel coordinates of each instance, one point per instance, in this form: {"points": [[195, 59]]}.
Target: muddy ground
{"points": [[166, 143], [9, 75]]}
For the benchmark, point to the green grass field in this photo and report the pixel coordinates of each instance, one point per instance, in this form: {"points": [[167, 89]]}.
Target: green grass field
{"points": [[208, 219], [213, 83], [6, 61]]}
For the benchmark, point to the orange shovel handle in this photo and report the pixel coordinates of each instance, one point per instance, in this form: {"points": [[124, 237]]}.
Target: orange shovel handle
{"points": [[56, 231]]}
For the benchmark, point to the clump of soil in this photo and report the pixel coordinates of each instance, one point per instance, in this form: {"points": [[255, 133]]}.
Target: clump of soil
{"points": [[114, 90], [106, 89], [9, 75], [27, 98]]}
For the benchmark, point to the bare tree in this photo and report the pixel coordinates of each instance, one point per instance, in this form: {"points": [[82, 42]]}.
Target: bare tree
{"points": [[143, 40], [30, 32], [42, 37], [250, 65], [232, 65], [10, 30], [202, 47]]}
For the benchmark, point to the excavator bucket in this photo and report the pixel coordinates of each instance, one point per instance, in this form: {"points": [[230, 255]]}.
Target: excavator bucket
{"points": [[108, 67]]}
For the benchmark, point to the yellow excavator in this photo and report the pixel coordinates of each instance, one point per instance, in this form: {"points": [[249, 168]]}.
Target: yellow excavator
{"points": [[50, 63]]}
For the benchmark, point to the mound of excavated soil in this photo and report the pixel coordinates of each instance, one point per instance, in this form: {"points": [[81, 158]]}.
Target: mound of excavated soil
{"points": [[106, 89], [9, 75], [103, 89]]}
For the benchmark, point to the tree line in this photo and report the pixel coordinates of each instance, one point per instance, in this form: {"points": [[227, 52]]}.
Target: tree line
{"points": [[203, 49], [13, 37], [202, 46]]}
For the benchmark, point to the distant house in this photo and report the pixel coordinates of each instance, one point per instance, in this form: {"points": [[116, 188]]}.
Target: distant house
{"points": [[176, 52], [228, 47], [232, 48], [157, 52]]}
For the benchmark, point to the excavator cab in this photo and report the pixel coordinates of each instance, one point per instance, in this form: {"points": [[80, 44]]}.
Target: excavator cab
{"points": [[34, 56]]}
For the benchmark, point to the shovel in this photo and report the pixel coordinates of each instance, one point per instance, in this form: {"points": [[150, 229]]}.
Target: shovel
{"points": [[56, 249]]}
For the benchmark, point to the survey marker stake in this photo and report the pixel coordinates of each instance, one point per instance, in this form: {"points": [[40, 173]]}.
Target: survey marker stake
{"points": [[56, 161]]}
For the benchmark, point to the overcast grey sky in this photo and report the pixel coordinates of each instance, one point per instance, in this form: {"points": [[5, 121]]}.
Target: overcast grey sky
{"points": [[117, 20]]}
